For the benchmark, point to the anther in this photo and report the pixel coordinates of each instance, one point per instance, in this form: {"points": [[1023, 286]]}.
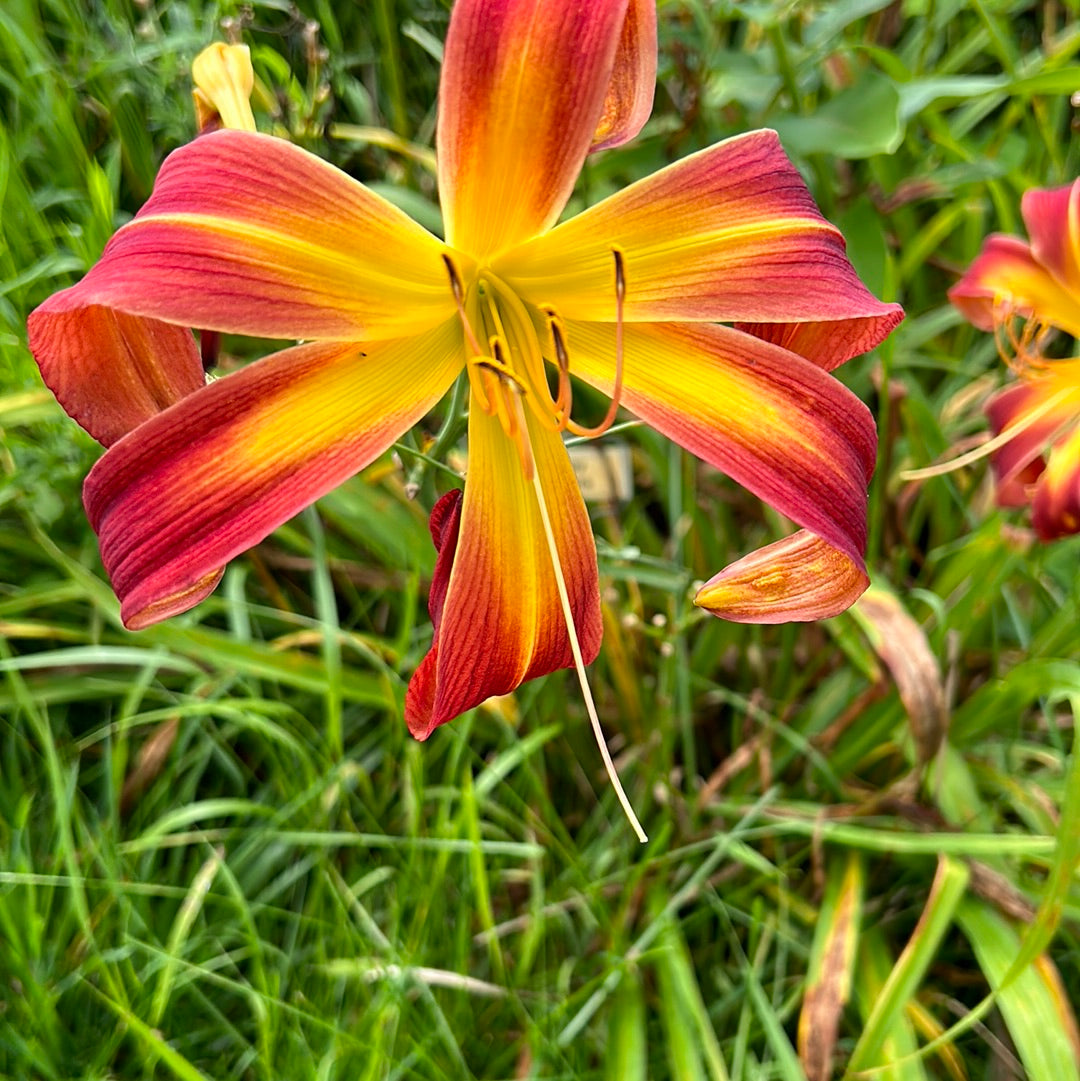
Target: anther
{"points": [[565, 397], [459, 302], [455, 281], [498, 367]]}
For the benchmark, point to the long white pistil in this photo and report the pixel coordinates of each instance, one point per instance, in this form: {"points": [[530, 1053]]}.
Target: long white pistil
{"points": [[579, 662], [1003, 437]]}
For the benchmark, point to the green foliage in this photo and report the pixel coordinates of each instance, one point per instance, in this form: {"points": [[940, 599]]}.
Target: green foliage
{"points": [[221, 856]]}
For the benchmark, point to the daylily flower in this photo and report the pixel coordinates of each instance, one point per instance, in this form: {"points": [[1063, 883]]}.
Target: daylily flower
{"points": [[711, 300], [1021, 291]]}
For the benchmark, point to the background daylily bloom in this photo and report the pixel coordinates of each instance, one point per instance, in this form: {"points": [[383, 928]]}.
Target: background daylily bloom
{"points": [[711, 300], [1021, 291]]}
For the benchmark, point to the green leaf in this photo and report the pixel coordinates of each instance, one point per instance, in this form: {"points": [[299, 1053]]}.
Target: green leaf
{"points": [[859, 122], [1034, 1005]]}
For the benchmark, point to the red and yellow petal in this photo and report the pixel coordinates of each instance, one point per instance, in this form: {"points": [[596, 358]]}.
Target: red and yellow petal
{"points": [[1040, 410], [829, 344], [495, 602], [248, 234], [109, 370], [1052, 217], [523, 88], [796, 579], [217, 472], [728, 234], [773, 421], [1019, 463], [1055, 508], [1006, 278], [629, 98]]}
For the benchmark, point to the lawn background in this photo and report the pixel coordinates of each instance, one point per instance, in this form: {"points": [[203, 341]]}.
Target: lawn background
{"points": [[221, 855]]}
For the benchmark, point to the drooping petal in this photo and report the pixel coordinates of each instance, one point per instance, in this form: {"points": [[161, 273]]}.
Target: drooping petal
{"points": [[249, 234], [1052, 217], [1006, 275], [224, 80], [629, 98], [773, 421], [522, 91], [795, 579], [1019, 463], [495, 603], [1055, 510], [730, 233], [109, 370], [213, 475]]}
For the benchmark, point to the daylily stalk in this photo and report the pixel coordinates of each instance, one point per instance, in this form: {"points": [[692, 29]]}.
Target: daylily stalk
{"points": [[1021, 291], [711, 300]]}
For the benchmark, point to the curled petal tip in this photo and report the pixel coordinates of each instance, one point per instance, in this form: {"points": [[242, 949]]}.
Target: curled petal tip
{"points": [[629, 98], [141, 610], [111, 371], [797, 579]]}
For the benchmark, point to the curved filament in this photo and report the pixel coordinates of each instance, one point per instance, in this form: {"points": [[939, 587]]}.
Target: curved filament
{"points": [[616, 390], [511, 368]]}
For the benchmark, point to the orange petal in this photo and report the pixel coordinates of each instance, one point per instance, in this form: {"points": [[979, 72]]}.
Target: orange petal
{"points": [[796, 579], [1055, 508], [829, 344], [109, 370], [629, 98], [774, 422], [1052, 217], [730, 233], [247, 234], [523, 89], [494, 601], [1053, 392], [1007, 274], [213, 475]]}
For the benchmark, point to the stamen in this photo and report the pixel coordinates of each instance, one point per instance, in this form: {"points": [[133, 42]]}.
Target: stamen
{"points": [[1022, 351], [478, 385], [579, 661], [565, 399], [991, 445], [512, 366], [500, 368], [510, 391], [459, 300], [616, 390], [502, 303]]}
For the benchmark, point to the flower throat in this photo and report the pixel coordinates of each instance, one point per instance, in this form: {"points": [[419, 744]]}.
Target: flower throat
{"points": [[510, 371]]}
